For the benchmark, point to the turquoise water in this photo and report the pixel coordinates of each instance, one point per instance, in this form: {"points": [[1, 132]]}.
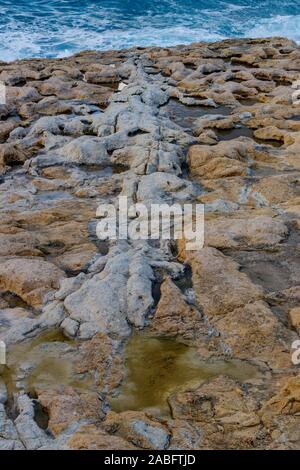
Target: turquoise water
{"points": [[57, 28]]}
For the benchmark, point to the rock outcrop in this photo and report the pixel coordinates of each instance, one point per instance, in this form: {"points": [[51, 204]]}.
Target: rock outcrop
{"points": [[209, 123]]}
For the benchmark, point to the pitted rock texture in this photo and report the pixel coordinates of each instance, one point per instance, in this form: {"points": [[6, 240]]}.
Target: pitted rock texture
{"points": [[213, 123]]}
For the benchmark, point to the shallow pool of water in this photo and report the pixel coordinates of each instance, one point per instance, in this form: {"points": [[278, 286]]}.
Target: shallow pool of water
{"points": [[234, 133], [157, 367], [46, 361], [185, 116]]}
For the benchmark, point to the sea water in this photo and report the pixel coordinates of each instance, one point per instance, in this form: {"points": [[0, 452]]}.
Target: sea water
{"points": [[58, 28]]}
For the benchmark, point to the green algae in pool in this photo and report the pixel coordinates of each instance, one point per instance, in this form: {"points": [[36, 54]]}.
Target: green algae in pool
{"points": [[156, 367], [48, 360]]}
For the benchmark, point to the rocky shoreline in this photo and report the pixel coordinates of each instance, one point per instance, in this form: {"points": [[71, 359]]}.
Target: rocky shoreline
{"points": [[209, 123]]}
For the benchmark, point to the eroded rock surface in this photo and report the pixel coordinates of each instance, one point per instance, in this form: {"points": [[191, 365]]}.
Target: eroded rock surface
{"points": [[209, 123]]}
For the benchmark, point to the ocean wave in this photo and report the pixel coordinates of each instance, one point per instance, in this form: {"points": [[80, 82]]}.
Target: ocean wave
{"points": [[60, 28], [25, 44], [287, 26]]}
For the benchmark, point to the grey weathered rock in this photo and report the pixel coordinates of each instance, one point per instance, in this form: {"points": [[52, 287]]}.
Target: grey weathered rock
{"points": [[28, 431], [127, 274], [157, 437], [70, 327]]}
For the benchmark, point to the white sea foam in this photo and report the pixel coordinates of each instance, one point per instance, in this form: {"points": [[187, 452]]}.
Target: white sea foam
{"points": [[55, 28], [286, 26], [22, 44]]}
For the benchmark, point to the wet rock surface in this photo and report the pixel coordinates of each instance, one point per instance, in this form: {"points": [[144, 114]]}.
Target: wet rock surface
{"points": [[209, 123]]}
